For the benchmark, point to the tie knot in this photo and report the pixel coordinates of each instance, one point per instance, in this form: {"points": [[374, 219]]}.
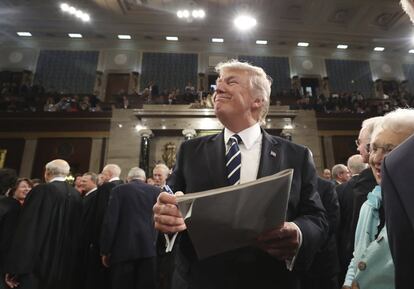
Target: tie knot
{"points": [[235, 139]]}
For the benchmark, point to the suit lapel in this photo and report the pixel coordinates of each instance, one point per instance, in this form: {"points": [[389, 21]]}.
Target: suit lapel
{"points": [[270, 158], [215, 154]]}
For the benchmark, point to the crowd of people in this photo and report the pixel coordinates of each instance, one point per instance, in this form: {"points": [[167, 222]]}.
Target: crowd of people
{"points": [[354, 102], [339, 232], [32, 98]]}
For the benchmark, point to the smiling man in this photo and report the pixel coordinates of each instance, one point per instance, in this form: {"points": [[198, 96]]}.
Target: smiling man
{"points": [[243, 152]]}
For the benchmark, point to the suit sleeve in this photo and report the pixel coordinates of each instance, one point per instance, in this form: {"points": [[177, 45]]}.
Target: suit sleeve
{"points": [[109, 225], [311, 217], [331, 204]]}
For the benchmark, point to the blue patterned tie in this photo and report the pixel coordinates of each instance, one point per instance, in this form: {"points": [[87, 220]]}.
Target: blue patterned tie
{"points": [[233, 160]]}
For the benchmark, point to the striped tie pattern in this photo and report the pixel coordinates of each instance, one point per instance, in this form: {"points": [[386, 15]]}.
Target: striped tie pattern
{"points": [[233, 160]]}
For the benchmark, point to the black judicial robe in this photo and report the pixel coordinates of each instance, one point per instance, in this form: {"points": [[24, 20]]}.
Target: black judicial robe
{"points": [[46, 237], [9, 213]]}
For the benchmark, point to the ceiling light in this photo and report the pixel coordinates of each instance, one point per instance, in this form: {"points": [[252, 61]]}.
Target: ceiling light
{"points": [[342, 46], [124, 36], [75, 35], [303, 44], [411, 51], [218, 40], [172, 38], [379, 49], [64, 7], [180, 14], [261, 42], [72, 10], [24, 34], [245, 22], [85, 17], [186, 13], [191, 15], [201, 13]]}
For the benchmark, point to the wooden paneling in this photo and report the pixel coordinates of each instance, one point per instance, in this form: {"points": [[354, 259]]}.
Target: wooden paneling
{"points": [[14, 153], [55, 121], [76, 151], [343, 147]]}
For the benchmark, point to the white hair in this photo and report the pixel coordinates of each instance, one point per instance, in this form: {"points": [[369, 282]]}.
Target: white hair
{"points": [[113, 169], [136, 173], [369, 124], [58, 168], [400, 121], [259, 81], [356, 164], [408, 7], [164, 168]]}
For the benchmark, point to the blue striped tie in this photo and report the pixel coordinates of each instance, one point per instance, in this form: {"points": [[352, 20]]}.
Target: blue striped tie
{"points": [[233, 160]]}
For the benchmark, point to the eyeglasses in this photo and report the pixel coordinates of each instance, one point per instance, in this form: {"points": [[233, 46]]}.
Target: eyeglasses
{"points": [[358, 143]]}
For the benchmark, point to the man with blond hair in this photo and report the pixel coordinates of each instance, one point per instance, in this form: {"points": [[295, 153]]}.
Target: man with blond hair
{"points": [[243, 152], [44, 248]]}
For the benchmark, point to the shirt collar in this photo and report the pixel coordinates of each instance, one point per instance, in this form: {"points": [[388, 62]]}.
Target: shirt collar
{"points": [[249, 135], [114, 179], [59, 179], [91, 191]]}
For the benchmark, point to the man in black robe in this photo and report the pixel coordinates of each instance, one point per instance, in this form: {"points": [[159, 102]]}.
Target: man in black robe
{"points": [[43, 250]]}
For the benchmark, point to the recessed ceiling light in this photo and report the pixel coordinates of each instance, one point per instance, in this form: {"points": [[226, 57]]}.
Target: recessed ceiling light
{"points": [[303, 44], [172, 38], [24, 34], [411, 51], [261, 42], [64, 7], [379, 48], [124, 36], [342, 46], [75, 35], [218, 40], [245, 22]]}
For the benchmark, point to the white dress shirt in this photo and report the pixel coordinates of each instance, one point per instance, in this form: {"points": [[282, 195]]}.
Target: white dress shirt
{"points": [[250, 150]]}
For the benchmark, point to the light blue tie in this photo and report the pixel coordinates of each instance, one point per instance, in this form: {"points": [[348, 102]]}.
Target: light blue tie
{"points": [[233, 160]]}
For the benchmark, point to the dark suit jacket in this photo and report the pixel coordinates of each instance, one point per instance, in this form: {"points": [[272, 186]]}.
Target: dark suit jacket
{"points": [[346, 231], [326, 262], [128, 231], [397, 186], [102, 198], [200, 166]]}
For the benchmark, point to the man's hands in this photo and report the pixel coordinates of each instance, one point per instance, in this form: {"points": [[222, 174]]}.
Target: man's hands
{"points": [[282, 243], [11, 280], [168, 218], [105, 261]]}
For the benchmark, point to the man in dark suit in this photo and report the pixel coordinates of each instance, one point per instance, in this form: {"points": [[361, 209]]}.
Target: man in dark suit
{"points": [[44, 247], [323, 273], [346, 231], [89, 262], [110, 177], [128, 233], [241, 102], [397, 184]]}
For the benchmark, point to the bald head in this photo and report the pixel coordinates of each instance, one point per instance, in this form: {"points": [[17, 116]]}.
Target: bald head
{"points": [[56, 168]]}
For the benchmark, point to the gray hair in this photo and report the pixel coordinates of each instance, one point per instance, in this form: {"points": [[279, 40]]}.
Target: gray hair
{"points": [[356, 164], [369, 124], [163, 167], [337, 169], [136, 173], [115, 170], [400, 121], [408, 8], [58, 168], [93, 176], [259, 81]]}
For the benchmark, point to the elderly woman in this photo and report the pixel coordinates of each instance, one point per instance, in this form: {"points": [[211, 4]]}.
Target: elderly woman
{"points": [[372, 265]]}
